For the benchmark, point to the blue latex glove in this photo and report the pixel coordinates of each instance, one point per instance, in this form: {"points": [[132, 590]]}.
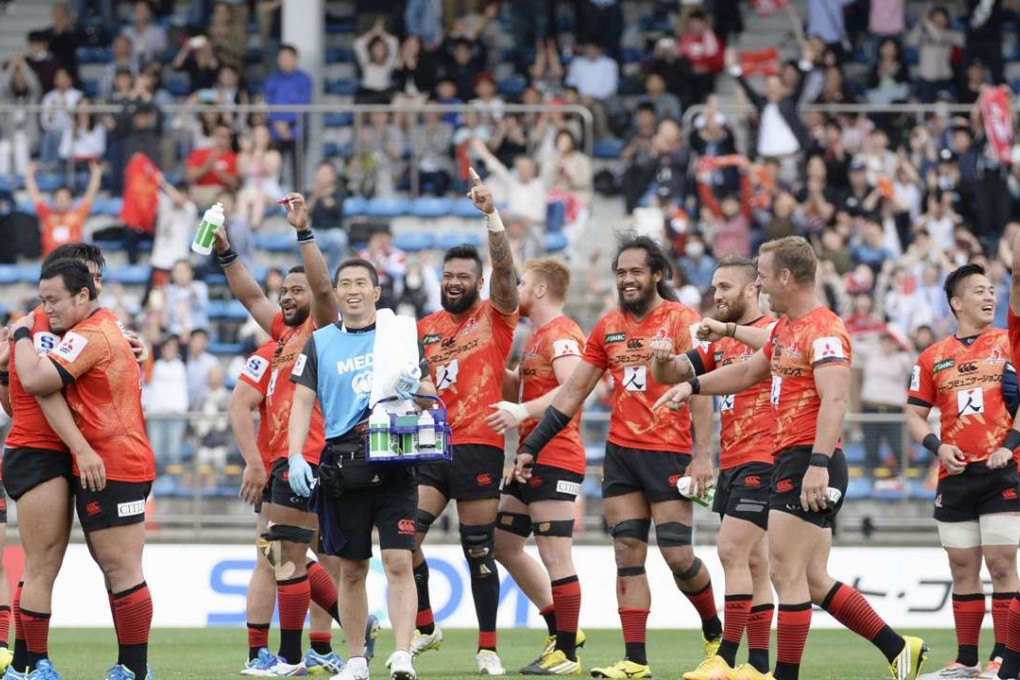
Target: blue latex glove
{"points": [[300, 475], [407, 385]]}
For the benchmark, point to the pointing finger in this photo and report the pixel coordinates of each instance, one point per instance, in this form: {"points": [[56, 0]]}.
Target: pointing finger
{"points": [[475, 179]]}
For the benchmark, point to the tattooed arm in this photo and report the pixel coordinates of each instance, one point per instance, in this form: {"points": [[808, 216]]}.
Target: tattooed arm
{"points": [[503, 285]]}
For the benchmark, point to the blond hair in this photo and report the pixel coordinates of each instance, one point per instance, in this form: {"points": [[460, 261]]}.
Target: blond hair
{"points": [[553, 273], [793, 253]]}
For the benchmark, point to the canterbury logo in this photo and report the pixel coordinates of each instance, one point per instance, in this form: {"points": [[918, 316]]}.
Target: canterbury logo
{"points": [[784, 485], [752, 481]]}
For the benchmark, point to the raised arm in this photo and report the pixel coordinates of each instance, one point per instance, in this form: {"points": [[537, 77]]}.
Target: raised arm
{"points": [[30, 184], [95, 178], [324, 306], [243, 401], [503, 284], [243, 285]]}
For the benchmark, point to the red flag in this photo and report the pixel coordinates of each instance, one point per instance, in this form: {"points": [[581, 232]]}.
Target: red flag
{"points": [[766, 7], [998, 122], [764, 61], [140, 194]]}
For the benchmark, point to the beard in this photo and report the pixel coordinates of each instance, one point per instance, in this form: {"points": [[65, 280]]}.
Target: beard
{"points": [[640, 305], [300, 316], [466, 301], [734, 311]]}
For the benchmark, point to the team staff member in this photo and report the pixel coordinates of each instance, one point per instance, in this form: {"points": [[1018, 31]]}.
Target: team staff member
{"points": [[646, 452], [467, 344], [292, 525], [362, 495], [37, 470], [746, 443], [808, 357], [96, 365], [976, 505], [544, 502]]}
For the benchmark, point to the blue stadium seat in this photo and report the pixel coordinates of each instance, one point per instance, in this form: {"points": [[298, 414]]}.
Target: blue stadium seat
{"points": [[90, 86], [113, 206], [917, 491], [276, 243], [130, 275], [428, 207], [93, 55], [7, 183], [26, 206], [253, 55], [413, 241], [512, 86], [335, 149], [555, 217], [632, 54], [555, 243], [338, 55], [215, 279], [608, 148], [338, 119], [9, 274], [234, 310], [178, 86], [344, 87], [889, 494], [466, 209], [50, 181], [225, 348], [854, 451], [340, 25], [453, 239], [858, 489], [355, 206], [387, 207], [595, 452]]}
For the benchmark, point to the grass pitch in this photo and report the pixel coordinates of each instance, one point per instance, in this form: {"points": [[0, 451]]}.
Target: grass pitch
{"points": [[205, 654]]}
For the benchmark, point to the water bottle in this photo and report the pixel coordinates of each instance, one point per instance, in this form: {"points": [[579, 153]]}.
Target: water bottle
{"points": [[379, 433], [211, 221], [683, 485], [426, 430]]}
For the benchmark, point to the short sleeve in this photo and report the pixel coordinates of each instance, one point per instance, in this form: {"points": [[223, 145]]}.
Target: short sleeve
{"points": [[831, 348], [80, 349], [306, 367], [595, 348], [921, 391], [565, 344]]}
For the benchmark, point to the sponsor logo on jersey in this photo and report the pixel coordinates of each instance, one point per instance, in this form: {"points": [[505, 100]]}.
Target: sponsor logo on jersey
{"points": [[130, 509], [635, 343], [943, 365], [996, 357], [568, 487], [431, 338], [967, 367], [72, 346], [614, 337]]}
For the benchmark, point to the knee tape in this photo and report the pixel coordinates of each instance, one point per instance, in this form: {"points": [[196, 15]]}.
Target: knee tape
{"points": [[424, 521], [563, 528], [477, 542], [623, 572], [960, 534], [1000, 529], [632, 528], [691, 572], [673, 535], [514, 523], [273, 540]]}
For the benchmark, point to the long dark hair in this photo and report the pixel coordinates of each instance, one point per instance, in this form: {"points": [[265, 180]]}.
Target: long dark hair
{"points": [[656, 259]]}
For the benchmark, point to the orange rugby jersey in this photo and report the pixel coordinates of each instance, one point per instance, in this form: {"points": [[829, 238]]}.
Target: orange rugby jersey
{"points": [[621, 345], [964, 381], [466, 361], [748, 432], [796, 349], [1012, 323], [29, 428], [256, 374], [290, 342], [106, 396], [559, 338]]}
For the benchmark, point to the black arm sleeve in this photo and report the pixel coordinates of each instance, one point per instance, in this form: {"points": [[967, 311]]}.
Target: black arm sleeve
{"points": [[65, 376], [552, 423], [306, 368], [695, 359]]}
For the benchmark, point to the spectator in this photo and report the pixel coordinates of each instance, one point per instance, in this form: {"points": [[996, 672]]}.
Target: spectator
{"points": [[123, 61], [228, 33], [885, 366], [187, 301], [523, 190], [711, 138], [390, 264], [212, 428], [382, 151], [259, 166], [703, 50], [729, 217], [596, 78], [665, 168], [825, 20], [176, 217], [984, 36], [940, 220], [781, 134], [287, 86], [464, 61], [888, 81], [446, 93], [64, 39], [835, 89], [510, 139], [41, 60], [524, 238], [568, 175], [886, 19], [56, 116], [148, 40], [975, 77], [239, 229], [136, 129], [935, 40], [869, 248], [487, 103], [64, 222], [200, 363], [228, 91], [666, 105], [534, 23], [432, 141], [378, 54], [19, 130], [326, 211], [601, 22], [165, 400], [86, 139], [197, 59], [423, 20], [415, 74], [547, 71], [421, 294], [697, 265], [213, 170], [816, 199]]}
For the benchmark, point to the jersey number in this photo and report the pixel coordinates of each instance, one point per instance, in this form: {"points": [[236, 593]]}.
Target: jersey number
{"points": [[446, 375]]}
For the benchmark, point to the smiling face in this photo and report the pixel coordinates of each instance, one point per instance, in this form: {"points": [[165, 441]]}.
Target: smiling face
{"points": [[295, 299], [462, 281], [734, 294], [635, 282], [974, 302], [356, 293], [771, 282]]}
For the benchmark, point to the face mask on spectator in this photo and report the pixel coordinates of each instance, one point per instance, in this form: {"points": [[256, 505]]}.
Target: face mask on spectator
{"points": [[694, 249]]}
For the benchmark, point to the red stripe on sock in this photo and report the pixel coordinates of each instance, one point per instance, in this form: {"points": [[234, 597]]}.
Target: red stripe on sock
{"points": [[37, 632], [794, 624], [258, 635], [323, 588], [423, 618], [132, 615], [848, 606], [735, 615], [1001, 603], [759, 627], [567, 604], [16, 610], [704, 602], [634, 623], [293, 598], [487, 639], [547, 610], [968, 615], [1013, 634]]}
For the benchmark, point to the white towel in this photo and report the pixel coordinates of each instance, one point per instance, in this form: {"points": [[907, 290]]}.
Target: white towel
{"points": [[395, 351]]}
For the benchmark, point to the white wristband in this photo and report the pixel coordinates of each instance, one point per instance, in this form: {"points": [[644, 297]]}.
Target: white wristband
{"points": [[518, 411], [493, 222]]}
